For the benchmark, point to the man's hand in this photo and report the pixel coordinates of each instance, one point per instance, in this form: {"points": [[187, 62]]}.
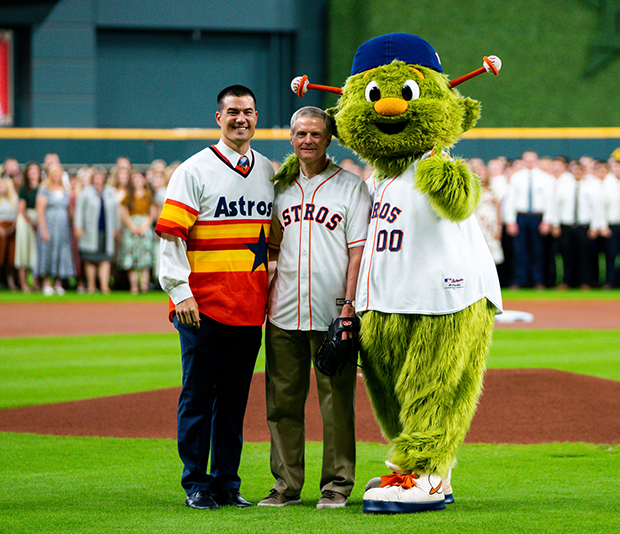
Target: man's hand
{"points": [[512, 229], [348, 311], [187, 312], [544, 228]]}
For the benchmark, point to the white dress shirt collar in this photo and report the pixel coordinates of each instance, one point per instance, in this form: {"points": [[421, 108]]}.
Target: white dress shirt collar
{"points": [[231, 155]]}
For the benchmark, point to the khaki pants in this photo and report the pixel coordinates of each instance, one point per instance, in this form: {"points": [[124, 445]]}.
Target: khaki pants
{"points": [[288, 362]]}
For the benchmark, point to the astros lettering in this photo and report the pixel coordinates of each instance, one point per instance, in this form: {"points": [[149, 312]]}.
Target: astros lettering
{"points": [[246, 208], [309, 212], [386, 212]]}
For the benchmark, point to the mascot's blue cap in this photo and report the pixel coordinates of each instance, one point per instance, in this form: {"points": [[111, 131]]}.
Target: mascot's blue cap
{"points": [[402, 46]]}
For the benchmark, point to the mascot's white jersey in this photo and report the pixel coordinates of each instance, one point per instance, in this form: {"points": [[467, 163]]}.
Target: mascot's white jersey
{"points": [[320, 220], [417, 262]]}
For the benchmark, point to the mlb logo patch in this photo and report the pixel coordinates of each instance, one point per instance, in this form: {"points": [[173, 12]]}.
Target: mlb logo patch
{"points": [[453, 283]]}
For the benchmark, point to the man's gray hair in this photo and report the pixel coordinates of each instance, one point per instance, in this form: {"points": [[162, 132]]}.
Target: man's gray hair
{"points": [[311, 111]]}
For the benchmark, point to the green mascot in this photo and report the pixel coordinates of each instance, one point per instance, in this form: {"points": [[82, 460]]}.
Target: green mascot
{"points": [[428, 289]]}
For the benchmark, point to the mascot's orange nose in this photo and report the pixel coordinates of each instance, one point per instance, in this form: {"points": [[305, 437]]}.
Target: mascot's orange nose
{"points": [[391, 106]]}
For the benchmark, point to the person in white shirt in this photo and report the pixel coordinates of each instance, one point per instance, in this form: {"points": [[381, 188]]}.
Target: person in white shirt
{"points": [[610, 232], [575, 222], [498, 180], [529, 199], [551, 244], [321, 215]]}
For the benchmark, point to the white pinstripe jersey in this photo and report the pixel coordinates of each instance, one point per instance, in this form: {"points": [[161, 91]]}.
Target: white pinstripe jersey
{"points": [[319, 219], [417, 262]]}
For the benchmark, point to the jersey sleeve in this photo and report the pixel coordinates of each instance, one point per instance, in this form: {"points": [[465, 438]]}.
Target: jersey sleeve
{"points": [[358, 216], [174, 268], [181, 207]]}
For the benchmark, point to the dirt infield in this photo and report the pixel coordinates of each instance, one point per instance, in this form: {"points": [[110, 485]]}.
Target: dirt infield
{"points": [[71, 318], [517, 406]]}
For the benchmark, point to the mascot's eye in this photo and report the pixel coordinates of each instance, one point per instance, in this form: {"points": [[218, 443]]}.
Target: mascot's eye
{"points": [[372, 92], [411, 90]]}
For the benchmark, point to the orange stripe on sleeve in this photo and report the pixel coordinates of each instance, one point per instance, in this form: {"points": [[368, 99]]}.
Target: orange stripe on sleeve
{"points": [[176, 219]]}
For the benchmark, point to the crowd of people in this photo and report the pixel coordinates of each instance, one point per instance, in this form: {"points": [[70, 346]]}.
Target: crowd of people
{"points": [[90, 228], [549, 222], [552, 222]]}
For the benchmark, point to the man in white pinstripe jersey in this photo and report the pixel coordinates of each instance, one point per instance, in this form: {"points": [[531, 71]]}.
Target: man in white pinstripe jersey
{"points": [[321, 215]]}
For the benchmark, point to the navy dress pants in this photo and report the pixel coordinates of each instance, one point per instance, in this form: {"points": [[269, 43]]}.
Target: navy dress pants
{"points": [[588, 256], [218, 363], [528, 251]]}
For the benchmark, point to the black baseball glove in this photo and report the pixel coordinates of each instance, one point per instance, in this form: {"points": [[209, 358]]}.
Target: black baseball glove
{"points": [[335, 352]]}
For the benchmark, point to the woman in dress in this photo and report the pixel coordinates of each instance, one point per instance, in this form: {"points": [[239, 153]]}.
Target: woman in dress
{"points": [[96, 224], [138, 213], [77, 182], [8, 217], [26, 229], [488, 216], [54, 256], [119, 180]]}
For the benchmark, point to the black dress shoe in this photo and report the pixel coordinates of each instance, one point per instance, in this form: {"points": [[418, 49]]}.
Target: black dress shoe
{"points": [[232, 497], [201, 500]]}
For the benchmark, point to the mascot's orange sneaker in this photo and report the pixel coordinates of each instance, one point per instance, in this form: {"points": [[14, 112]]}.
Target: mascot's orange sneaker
{"points": [[401, 493]]}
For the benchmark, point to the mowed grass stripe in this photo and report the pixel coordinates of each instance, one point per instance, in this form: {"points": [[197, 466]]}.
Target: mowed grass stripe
{"points": [[56, 369], [589, 352], [102, 485], [44, 370]]}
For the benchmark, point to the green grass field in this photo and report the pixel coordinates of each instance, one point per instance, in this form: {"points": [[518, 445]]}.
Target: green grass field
{"points": [[100, 485], [91, 485]]}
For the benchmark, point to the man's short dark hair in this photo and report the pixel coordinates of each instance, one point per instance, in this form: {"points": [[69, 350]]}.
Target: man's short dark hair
{"points": [[233, 90]]}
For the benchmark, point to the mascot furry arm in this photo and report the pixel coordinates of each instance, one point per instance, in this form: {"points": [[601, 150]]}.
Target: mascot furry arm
{"points": [[424, 338]]}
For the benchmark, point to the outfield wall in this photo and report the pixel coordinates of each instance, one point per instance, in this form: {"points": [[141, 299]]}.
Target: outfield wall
{"points": [[96, 145]]}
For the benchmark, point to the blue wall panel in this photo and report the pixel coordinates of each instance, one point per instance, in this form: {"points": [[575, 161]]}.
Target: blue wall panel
{"points": [[60, 109], [231, 15], [169, 80]]}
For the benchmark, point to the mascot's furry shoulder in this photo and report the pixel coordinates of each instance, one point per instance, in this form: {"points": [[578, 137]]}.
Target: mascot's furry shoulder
{"points": [[428, 289]]}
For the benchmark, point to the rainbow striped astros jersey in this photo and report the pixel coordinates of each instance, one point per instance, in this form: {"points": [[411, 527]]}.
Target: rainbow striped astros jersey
{"points": [[224, 217]]}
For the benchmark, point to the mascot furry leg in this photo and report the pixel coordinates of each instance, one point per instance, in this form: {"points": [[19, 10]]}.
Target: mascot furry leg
{"points": [[424, 377]]}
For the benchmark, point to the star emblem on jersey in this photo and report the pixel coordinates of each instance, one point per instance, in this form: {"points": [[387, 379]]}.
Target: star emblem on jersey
{"points": [[260, 250]]}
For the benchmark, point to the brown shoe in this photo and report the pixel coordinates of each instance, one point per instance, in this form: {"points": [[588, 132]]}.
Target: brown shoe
{"points": [[331, 499], [276, 498]]}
